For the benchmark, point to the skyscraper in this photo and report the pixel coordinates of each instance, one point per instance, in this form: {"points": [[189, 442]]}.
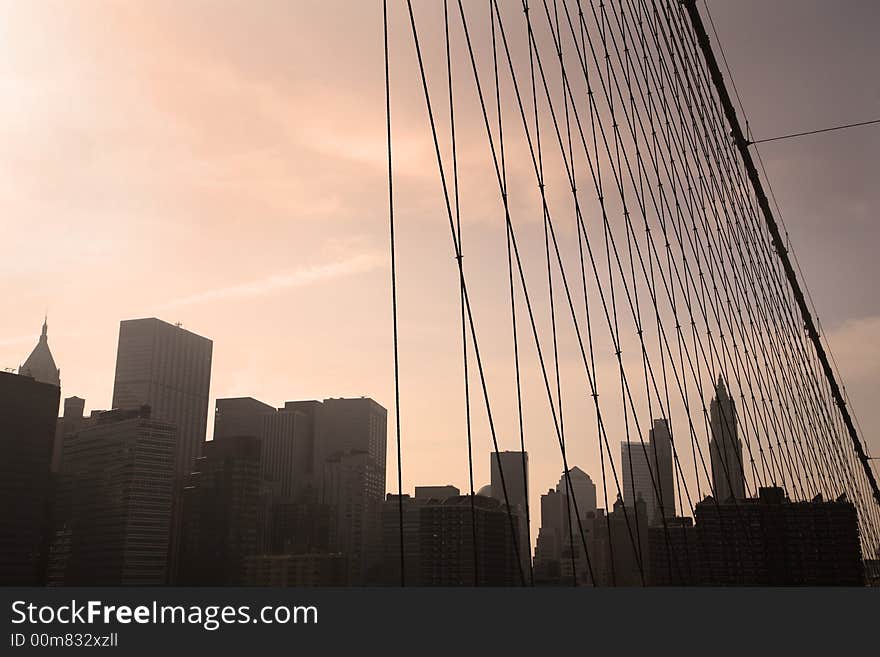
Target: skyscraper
{"points": [[287, 439], [725, 447], [637, 476], [349, 485], [222, 513], [560, 538], [239, 416], [288, 443], [117, 480], [168, 368], [660, 456], [351, 425], [648, 471], [28, 412], [40, 365], [514, 466]]}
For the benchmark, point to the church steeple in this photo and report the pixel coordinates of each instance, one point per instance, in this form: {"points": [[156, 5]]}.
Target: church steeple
{"points": [[40, 365]]}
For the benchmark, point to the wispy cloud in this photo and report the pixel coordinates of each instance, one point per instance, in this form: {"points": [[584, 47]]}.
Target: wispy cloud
{"points": [[298, 278]]}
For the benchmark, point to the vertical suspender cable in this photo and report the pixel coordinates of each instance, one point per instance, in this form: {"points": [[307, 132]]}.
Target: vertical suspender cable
{"points": [[393, 293]]}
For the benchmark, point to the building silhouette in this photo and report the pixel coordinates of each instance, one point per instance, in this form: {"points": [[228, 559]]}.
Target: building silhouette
{"points": [[439, 545], [223, 513], [114, 501], [288, 449], [72, 420], [674, 554], [621, 545], [40, 365], [350, 446], [168, 368], [771, 541], [725, 447], [648, 470], [28, 411], [239, 416], [560, 558], [436, 492], [287, 440], [349, 485], [514, 466]]}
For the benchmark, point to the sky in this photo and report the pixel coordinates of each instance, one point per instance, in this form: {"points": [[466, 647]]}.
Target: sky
{"points": [[222, 164]]}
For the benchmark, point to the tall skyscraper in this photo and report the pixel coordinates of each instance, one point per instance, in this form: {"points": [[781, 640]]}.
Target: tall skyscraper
{"points": [[113, 524], [168, 368], [648, 471], [660, 457], [28, 412], [40, 365], [636, 466], [559, 538], [515, 466], [287, 439], [725, 447], [352, 425], [222, 513], [288, 443], [515, 469]]}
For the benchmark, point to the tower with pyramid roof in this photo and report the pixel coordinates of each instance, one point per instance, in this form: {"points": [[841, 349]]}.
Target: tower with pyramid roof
{"points": [[725, 446], [40, 365]]}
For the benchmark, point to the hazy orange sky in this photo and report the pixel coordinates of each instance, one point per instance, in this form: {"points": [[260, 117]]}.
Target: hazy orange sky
{"points": [[222, 164]]}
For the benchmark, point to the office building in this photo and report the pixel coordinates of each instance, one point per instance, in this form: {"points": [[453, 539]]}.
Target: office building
{"points": [[28, 412], [114, 507], [648, 472], [509, 472], [725, 447], [439, 545], [560, 554], [771, 541], [239, 416], [169, 369], [223, 513], [350, 482]]}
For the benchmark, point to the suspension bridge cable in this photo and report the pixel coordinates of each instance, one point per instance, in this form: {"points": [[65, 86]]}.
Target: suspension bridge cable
{"points": [[464, 340], [393, 292], [813, 132], [780, 248], [446, 197]]}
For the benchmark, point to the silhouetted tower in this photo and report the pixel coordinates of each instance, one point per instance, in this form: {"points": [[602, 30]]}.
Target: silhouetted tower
{"points": [[662, 464], [725, 447], [40, 365]]}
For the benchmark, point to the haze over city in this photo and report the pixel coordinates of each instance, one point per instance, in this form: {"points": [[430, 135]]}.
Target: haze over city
{"points": [[226, 170]]}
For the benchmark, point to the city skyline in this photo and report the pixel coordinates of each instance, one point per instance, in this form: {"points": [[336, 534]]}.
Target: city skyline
{"points": [[237, 188]]}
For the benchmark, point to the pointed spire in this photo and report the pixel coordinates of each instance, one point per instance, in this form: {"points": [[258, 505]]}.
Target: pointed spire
{"points": [[721, 388], [40, 365]]}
